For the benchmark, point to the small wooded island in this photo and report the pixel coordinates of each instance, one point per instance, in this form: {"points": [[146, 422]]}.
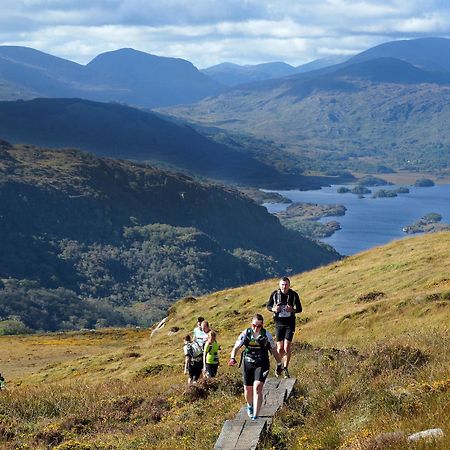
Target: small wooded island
{"points": [[303, 217], [429, 223]]}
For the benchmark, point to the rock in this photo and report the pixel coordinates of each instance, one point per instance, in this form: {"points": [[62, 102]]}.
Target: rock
{"points": [[433, 433], [159, 326]]}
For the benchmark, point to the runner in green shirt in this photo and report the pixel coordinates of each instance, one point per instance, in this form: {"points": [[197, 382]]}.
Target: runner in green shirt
{"points": [[211, 355]]}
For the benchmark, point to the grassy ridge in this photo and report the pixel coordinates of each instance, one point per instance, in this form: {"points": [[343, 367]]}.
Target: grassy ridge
{"points": [[371, 356]]}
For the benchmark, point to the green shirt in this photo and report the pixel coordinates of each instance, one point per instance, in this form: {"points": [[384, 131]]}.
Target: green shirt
{"points": [[212, 353]]}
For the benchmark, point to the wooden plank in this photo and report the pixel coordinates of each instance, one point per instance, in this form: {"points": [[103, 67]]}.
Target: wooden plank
{"points": [[288, 384], [271, 383], [243, 433], [242, 414], [275, 397], [229, 435], [251, 433]]}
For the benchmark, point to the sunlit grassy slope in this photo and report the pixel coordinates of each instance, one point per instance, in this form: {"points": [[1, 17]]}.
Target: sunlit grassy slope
{"points": [[371, 355]]}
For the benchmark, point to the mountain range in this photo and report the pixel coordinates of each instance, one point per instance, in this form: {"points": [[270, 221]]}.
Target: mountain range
{"points": [[230, 74], [118, 234], [382, 110], [386, 109], [125, 75]]}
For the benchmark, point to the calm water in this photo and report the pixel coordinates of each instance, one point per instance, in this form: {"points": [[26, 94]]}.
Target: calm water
{"points": [[369, 221]]}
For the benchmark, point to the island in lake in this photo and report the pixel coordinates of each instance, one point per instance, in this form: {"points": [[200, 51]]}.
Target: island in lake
{"points": [[303, 217], [429, 223]]}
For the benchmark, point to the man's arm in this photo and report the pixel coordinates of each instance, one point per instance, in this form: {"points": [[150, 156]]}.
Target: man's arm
{"points": [[297, 304], [270, 303]]}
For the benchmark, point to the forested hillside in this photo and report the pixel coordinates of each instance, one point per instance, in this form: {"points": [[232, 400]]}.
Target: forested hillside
{"points": [[125, 238], [119, 131]]}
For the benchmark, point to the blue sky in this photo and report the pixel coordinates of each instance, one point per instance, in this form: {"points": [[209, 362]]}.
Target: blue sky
{"points": [[207, 32]]}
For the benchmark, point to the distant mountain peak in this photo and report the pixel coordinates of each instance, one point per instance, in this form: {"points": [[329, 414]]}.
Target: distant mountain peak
{"points": [[388, 69]]}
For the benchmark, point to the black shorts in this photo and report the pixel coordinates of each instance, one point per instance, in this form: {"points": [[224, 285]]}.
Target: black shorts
{"points": [[255, 372], [211, 370], [195, 370], [285, 331]]}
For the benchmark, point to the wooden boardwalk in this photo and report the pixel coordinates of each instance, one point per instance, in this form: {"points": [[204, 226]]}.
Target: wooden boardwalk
{"points": [[241, 433]]}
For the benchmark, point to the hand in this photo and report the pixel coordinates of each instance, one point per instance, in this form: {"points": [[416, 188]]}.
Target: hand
{"points": [[289, 308], [276, 308], [232, 362]]}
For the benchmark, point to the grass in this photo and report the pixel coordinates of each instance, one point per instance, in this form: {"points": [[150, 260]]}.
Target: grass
{"points": [[371, 356]]}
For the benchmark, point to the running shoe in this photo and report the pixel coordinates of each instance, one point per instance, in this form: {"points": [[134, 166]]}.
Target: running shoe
{"points": [[250, 411], [286, 373], [254, 417]]}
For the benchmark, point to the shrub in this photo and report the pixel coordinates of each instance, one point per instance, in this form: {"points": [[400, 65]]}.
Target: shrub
{"points": [[370, 297], [397, 357], [154, 410], [13, 326], [230, 384], [121, 409], [153, 369], [200, 390], [50, 435], [76, 445], [342, 398], [8, 427]]}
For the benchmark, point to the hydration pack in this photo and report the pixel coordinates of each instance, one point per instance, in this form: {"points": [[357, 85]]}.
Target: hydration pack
{"points": [[194, 351], [256, 350]]}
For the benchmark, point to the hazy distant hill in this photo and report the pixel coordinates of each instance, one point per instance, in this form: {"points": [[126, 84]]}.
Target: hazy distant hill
{"points": [[111, 129], [149, 80], [231, 74], [321, 63], [121, 233], [427, 53], [124, 75], [362, 116]]}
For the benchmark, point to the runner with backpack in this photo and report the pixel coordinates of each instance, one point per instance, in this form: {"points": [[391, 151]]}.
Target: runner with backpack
{"points": [[201, 333], [284, 303], [211, 355], [193, 359], [258, 343]]}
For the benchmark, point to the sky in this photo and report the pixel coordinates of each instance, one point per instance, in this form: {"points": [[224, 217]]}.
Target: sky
{"points": [[208, 32]]}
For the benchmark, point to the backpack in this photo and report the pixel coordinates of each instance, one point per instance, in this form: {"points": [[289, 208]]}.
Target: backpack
{"points": [[259, 352], [194, 351]]}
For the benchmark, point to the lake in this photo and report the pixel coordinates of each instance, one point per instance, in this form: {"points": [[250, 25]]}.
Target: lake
{"points": [[369, 221]]}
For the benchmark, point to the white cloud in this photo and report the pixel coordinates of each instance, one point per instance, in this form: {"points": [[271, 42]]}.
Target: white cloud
{"points": [[210, 31]]}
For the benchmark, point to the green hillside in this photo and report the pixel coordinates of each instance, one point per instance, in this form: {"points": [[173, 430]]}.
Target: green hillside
{"points": [[118, 131], [371, 116], [88, 242], [370, 355]]}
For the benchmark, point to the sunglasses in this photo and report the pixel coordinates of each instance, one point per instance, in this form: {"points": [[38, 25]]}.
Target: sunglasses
{"points": [[256, 325]]}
